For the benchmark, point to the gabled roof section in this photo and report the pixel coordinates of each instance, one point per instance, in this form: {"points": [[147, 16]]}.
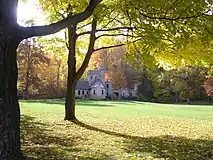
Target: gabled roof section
{"points": [[95, 82], [82, 85]]}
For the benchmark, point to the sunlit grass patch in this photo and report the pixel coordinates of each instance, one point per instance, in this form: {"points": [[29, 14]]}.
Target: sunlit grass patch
{"points": [[117, 130]]}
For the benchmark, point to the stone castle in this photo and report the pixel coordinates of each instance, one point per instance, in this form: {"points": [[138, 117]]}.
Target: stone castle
{"points": [[96, 88]]}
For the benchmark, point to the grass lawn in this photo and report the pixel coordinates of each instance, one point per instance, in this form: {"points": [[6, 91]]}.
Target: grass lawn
{"points": [[117, 130]]}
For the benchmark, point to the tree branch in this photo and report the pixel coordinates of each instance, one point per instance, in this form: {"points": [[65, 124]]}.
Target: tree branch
{"points": [[84, 25], [105, 30], [116, 28], [108, 47], [89, 51], [114, 35], [66, 39], [110, 21], [114, 46], [27, 32]]}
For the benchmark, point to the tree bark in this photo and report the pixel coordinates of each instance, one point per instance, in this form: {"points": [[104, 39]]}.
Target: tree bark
{"points": [[9, 108], [89, 51], [71, 80], [74, 76], [70, 101]]}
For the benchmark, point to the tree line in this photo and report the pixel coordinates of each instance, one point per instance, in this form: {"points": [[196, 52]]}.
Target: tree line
{"points": [[44, 75]]}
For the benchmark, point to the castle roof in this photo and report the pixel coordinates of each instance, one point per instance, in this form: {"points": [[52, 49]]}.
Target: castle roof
{"points": [[95, 82], [82, 85]]}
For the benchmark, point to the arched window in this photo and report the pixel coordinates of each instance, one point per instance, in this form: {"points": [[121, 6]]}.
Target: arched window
{"points": [[94, 91], [102, 92]]}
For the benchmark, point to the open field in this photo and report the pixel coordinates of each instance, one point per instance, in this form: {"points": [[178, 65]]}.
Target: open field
{"points": [[117, 130]]}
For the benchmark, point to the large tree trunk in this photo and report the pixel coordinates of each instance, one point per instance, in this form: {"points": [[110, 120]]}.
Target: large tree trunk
{"points": [[71, 80], [70, 101], [10, 148], [74, 76], [9, 108]]}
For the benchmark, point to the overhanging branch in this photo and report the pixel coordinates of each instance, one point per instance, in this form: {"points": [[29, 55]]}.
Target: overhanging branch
{"points": [[109, 21], [84, 25], [118, 34], [114, 46], [27, 32], [106, 30]]}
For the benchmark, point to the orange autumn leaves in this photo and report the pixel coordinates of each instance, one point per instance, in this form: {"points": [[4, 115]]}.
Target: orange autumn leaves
{"points": [[208, 86]]}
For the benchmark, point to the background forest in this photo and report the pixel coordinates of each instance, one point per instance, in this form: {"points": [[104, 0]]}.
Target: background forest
{"points": [[43, 74]]}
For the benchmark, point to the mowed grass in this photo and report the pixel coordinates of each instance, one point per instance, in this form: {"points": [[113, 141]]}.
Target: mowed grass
{"points": [[117, 130]]}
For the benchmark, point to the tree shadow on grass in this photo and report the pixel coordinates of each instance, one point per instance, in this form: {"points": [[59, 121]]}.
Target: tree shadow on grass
{"points": [[78, 102], [85, 103], [46, 101], [38, 143], [165, 146]]}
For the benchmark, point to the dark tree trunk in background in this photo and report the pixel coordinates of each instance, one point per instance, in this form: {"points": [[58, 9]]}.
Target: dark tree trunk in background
{"points": [[26, 91], [188, 90], [58, 79], [177, 97], [71, 80], [197, 89]]}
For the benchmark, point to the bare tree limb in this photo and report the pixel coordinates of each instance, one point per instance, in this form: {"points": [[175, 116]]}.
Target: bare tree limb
{"points": [[84, 25], [105, 30], [108, 47], [109, 21], [66, 39], [27, 32], [116, 28], [114, 35], [114, 46]]}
